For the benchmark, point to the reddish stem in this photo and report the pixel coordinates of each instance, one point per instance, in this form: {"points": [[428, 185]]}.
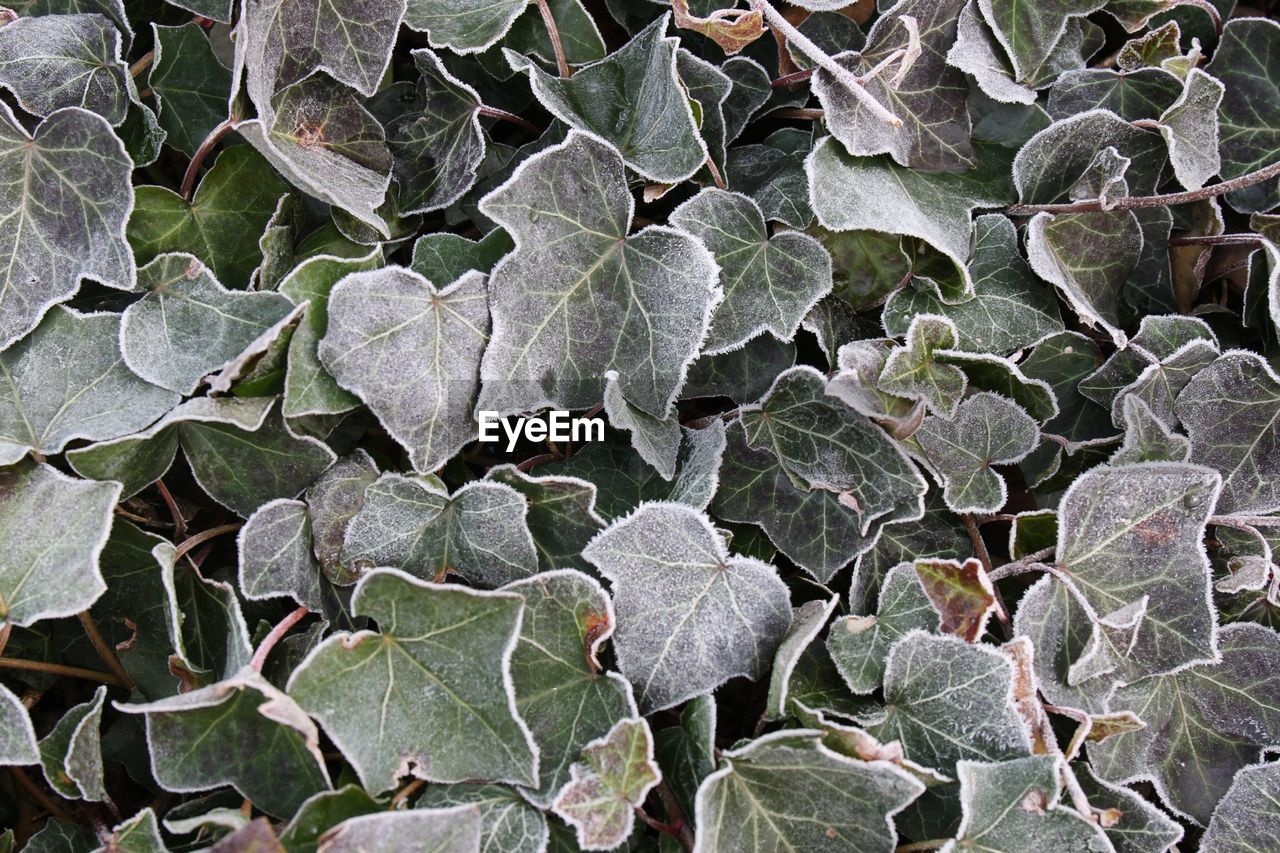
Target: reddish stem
{"points": [[277, 633]]}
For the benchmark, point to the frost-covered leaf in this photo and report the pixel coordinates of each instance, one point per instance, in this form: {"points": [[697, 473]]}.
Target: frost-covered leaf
{"points": [[276, 557], [911, 370], [628, 98], [437, 698], [561, 692], [412, 523], [850, 193], [787, 791], [444, 830], [54, 529], [412, 353], [708, 88], [987, 430], [1190, 127], [319, 813], [508, 824], [977, 53], [1132, 823], [1015, 805], [859, 645], [187, 325], [1248, 817], [138, 834], [575, 268], [55, 61], [690, 616], [67, 195], [962, 595], [769, 283], [1049, 168], [221, 734], [1230, 413], [657, 440], [562, 515], [949, 700], [806, 622], [18, 739], [332, 501], [71, 754], [926, 95], [1029, 31], [463, 26], [611, 782], [1203, 723], [190, 83], [1248, 65], [1147, 439], [773, 174]]}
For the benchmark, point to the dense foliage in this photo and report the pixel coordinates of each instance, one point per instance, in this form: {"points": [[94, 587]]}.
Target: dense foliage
{"points": [[939, 497]]}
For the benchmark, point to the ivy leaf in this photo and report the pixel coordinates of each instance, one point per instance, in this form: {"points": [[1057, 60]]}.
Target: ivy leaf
{"points": [[769, 283], [823, 444], [807, 621], [222, 223], [657, 440], [962, 595], [1009, 308], [187, 325], [689, 616], [71, 754], [611, 782], [859, 193], [764, 796], [562, 515], [1229, 410], [190, 84], [629, 97], [48, 571], [1140, 826], [926, 94], [1029, 31], [18, 742], [560, 690], [987, 430], [332, 501], [773, 174], [507, 822], [1015, 804], [275, 555], [394, 316], [321, 812], [138, 834], [463, 26], [414, 524], [1203, 723], [1190, 127], [859, 645], [1050, 167], [206, 629], [80, 52], [911, 370], [1245, 819], [442, 716], [73, 169], [1146, 438], [447, 830], [588, 275], [977, 53], [1246, 63], [948, 700], [447, 257], [189, 736]]}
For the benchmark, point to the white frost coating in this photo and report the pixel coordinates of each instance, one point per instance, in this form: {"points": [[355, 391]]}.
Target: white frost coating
{"points": [[608, 787], [859, 645], [71, 754], [463, 26], [412, 354], [1248, 816], [276, 557], [807, 620], [189, 325], [690, 617], [578, 297], [52, 61], [974, 52], [911, 370], [1029, 30], [82, 178], [1190, 127], [456, 829], [987, 430], [656, 440], [769, 284], [1160, 382], [239, 652], [17, 736]]}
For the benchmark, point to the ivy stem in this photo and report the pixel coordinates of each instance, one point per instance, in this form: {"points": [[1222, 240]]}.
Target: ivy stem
{"points": [[210, 142], [800, 113], [503, 115], [5, 631], [1141, 201], [104, 650], [788, 80], [846, 77], [406, 792], [984, 557], [1018, 567], [59, 669], [204, 536], [676, 815], [553, 31], [919, 846], [42, 799], [143, 63], [715, 173], [179, 524], [277, 633], [1217, 240]]}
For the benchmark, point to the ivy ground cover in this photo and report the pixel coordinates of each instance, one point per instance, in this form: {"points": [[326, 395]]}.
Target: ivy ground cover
{"points": [[927, 491]]}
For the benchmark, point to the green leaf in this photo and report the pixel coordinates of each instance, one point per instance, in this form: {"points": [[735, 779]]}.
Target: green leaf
{"points": [[744, 374], [611, 782], [859, 645], [1029, 31], [437, 680], [1139, 826], [1015, 805], [1051, 166], [55, 61], [332, 501], [562, 515], [628, 98], [689, 615], [71, 754], [911, 370], [657, 440], [206, 630], [773, 174], [187, 325], [1203, 724], [987, 430], [138, 834], [240, 732], [1247, 64], [94, 397], [1133, 95], [222, 223], [50, 570], [18, 742], [1245, 819], [1146, 438], [463, 26], [190, 84], [1190, 127], [924, 93], [414, 524], [686, 752], [575, 267], [579, 35], [787, 791], [321, 812], [977, 53], [448, 830], [807, 621], [276, 558], [561, 692], [446, 257], [507, 822], [67, 189]]}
